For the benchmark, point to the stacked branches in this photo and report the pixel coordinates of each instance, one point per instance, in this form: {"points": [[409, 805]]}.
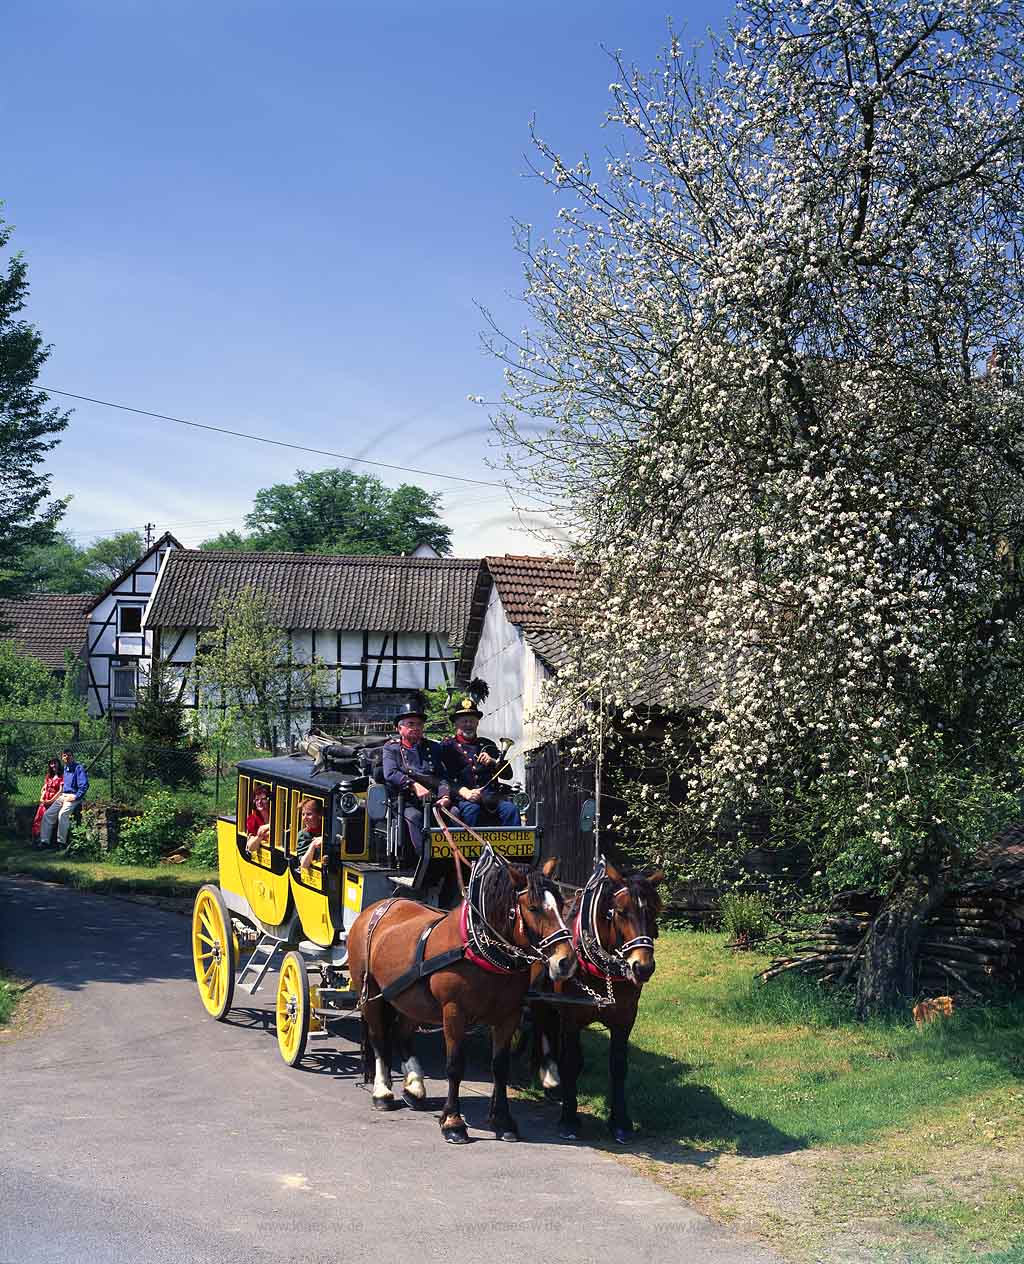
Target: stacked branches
{"points": [[757, 358]]}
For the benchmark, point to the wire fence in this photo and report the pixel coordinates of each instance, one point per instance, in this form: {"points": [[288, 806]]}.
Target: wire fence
{"points": [[125, 772]]}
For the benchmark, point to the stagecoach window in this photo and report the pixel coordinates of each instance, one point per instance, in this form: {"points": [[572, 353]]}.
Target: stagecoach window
{"points": [[282, 834], [242, 810]]}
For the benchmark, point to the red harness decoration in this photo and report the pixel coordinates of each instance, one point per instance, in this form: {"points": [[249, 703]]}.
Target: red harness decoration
{"points": [[467, 948]]}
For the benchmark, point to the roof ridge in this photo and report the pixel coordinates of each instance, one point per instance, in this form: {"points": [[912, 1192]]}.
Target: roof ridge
{"points": [[239, 555]]}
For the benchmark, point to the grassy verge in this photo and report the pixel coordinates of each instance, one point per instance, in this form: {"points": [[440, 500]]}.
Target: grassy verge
{"points": [[105, 877], [835, 1141], [8, 997]]}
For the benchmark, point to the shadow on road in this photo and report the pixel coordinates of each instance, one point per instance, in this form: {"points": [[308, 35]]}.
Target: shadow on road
{"points": [[69, 939]]}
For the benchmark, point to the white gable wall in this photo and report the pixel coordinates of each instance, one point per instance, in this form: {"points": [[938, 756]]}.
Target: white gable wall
{"points": [[109, 648], [499, 661]]}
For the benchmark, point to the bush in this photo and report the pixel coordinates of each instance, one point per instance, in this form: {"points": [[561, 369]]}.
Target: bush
{"points": [[746, 918], [147, 838], [203, 848], [84, 839]]}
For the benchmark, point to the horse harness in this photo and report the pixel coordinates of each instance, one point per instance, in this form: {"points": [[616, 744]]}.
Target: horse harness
{"points": [[489, 948], [596, 960], [419, 969], [481, 945]]}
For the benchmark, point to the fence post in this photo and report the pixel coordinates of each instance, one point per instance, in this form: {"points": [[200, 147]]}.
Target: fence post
{"points": [[216, 782]]}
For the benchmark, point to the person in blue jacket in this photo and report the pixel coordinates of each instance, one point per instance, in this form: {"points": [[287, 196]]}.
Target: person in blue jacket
{"points": [[408, 753], [477, 774], [58, 814]]}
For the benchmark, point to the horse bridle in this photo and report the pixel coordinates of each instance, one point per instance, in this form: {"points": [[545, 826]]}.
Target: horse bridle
{"points": [[588, 941], [483, 933]]}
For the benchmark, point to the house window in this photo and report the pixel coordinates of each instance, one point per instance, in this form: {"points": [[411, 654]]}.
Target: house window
{"points": [[129, 618], [122, 685]]}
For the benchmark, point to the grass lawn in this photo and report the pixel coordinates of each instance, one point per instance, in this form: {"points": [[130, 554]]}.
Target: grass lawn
{"points": [[175, 881], [834, 1140]]}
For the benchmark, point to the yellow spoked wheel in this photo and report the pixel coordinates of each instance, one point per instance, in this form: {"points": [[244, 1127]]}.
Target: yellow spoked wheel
{"points": [[292, 1008], [213, 951]]}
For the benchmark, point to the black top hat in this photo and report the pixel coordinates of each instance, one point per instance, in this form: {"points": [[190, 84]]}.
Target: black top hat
{"points": [[410, 709], [467, 707]]}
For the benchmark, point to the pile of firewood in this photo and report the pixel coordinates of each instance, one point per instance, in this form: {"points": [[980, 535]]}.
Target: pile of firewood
{"points": [[973, 943]]}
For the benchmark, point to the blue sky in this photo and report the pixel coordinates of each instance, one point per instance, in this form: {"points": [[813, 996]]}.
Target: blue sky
{"points": [[279, 217]]}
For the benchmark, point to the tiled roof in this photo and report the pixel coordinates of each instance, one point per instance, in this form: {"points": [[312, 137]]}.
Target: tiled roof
{"points": [[166, 541], [551, 647], [527, 584], [46, 624], [310, 590]]}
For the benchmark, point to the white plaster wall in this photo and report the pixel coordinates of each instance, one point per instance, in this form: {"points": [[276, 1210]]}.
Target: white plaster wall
{"points": [[103, 640], [534, 676], [499, 661], [346, 678]]}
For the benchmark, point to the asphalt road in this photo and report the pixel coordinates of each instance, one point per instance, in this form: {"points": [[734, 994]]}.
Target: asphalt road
{"points": [[137, 1129]]}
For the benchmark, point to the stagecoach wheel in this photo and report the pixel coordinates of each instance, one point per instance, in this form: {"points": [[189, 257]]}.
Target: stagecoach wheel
{"points": [[292, 1008], [213, 952]]}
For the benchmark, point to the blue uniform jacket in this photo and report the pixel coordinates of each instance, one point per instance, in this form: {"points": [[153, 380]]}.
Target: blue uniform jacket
{"points": [[459, 760], [424, 757]]}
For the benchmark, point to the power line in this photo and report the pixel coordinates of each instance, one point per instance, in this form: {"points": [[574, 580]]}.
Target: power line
{"points": [[277, 443]]}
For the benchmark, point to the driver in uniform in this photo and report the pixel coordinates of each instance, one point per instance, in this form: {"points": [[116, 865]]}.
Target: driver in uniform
{"points": [[410, 752], [474, 764]]}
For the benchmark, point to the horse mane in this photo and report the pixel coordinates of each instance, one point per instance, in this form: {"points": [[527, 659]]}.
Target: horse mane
{"points": [[643, 889], [498, 896], [500, 893], [538, 884]]}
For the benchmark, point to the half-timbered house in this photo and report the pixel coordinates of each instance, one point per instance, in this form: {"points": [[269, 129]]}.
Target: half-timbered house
{"points": [[118, 649], [381, 626]]}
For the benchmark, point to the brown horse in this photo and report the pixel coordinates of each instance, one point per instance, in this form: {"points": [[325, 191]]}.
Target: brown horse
{"points": [[414, 965], [615, 924]]}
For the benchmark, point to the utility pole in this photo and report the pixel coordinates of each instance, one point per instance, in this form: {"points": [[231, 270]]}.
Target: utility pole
{"points": [[150, 526]]}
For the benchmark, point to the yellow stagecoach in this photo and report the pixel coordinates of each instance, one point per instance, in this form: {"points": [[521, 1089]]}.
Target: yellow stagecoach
{"points": [[273, 912]]}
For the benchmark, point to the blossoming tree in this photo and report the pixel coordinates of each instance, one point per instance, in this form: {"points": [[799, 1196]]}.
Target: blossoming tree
{"points": [[772, 349]]}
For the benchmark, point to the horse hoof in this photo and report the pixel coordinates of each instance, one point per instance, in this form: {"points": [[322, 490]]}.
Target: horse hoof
{"points": [[567, 1132], [414, 1103], [456, 1136], [383, 1103], [504, 1131], [622, 1136]]}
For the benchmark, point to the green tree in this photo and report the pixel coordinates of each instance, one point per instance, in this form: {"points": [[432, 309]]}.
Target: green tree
{"points": [[336, 511], [62, 566], [233, 540], [754, 385], [28, 430], [110, 556], [24, 680], [155, 744], [59, 566], [243, 666]]}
